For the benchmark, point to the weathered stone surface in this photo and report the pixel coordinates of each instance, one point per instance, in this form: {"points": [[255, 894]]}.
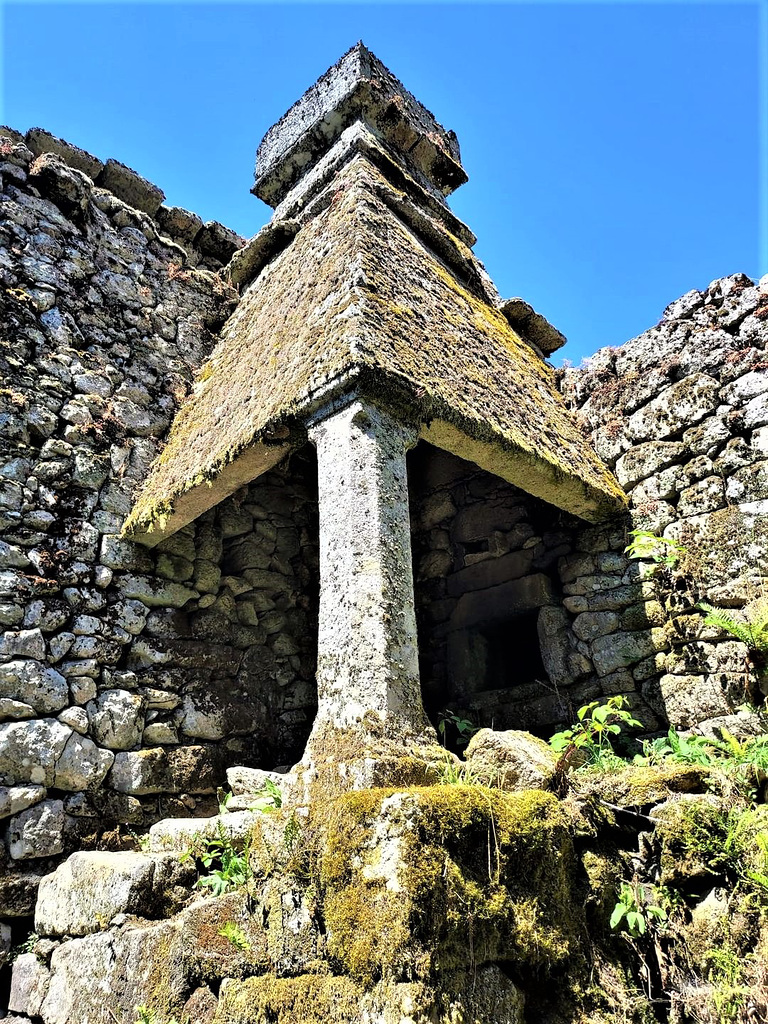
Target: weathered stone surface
{"points": [[156, 593], [35, 684], [129, 186], [679, 407], [68, 188], [180, 834], [14, 710], [116, 719], [247, 781], [511, 759], [590, 625], [684, 306], [218, 241], [5, 944], [82, 764], [367, 648], [37, 832], [89, 889], [194, 769], [17, 798], [40, 141], [491, 573], [29, 985], [689, 699], [508, 599], [646, 459], [126, 964], [554, 635], [619, 650], [179, 224], [29, 750], [18, 893]]}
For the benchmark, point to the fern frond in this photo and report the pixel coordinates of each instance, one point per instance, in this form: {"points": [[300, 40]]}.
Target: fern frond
{"points": [[757, 615], [728, 623]]}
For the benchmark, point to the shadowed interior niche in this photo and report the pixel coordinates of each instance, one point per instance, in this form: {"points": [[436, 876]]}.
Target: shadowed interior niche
{"points": [[267, 609], [491, 627]]}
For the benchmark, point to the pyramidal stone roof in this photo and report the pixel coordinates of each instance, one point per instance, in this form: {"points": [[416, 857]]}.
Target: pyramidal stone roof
{"points": [[364, 283]]}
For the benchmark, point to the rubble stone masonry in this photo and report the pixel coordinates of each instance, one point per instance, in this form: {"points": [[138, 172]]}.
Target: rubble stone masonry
{"points": [[131, 678]]}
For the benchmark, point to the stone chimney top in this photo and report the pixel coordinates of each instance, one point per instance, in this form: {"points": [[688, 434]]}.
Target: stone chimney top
{"points": [[359, 88]]}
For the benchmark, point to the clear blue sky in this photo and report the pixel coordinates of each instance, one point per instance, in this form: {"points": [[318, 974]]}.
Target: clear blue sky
{"points": [[613, 149]]}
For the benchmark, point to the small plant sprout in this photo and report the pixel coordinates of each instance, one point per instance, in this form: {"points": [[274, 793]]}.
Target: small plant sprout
{"points": [[464, 727], [649, 546], [268, 799], [233, 870], [591, 734], [634, 912], [672, 747], [235, 935]]}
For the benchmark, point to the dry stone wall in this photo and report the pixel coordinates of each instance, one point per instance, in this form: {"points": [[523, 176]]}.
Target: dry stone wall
{"points": [[681, 415], [129, 679]]}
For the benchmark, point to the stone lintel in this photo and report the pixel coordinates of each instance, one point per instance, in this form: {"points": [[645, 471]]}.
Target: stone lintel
{"points": [[358, 88], [525, 470], [255, 460], [368, 667]]}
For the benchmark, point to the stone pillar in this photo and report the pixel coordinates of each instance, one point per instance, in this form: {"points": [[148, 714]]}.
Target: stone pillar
{"points": [[367, 666]]}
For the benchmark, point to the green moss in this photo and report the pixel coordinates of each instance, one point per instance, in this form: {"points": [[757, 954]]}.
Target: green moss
{"points": [[693, 834], [604, 872], [468, 874], [645, 785], [308, 323], [307, 999]]}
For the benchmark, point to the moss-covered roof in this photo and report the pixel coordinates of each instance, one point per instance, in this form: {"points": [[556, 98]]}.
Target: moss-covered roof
{"points": [[356, 295]]}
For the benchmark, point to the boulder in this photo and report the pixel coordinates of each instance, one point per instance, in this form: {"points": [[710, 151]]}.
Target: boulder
{"points": [[104, 976], [14, 799], [511, 759], [5, 944], [29, 750], [180, 834], [18, 893], [190, 769], [117, 719], [29, 985], [82, 764]]}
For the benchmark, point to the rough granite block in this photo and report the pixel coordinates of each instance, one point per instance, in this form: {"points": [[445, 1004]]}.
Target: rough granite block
{"points": [[129, 186], [41, 141]]}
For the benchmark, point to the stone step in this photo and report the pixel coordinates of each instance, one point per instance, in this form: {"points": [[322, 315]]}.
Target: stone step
{"points": [[250, 781], [181, 834], [91, 888]]}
